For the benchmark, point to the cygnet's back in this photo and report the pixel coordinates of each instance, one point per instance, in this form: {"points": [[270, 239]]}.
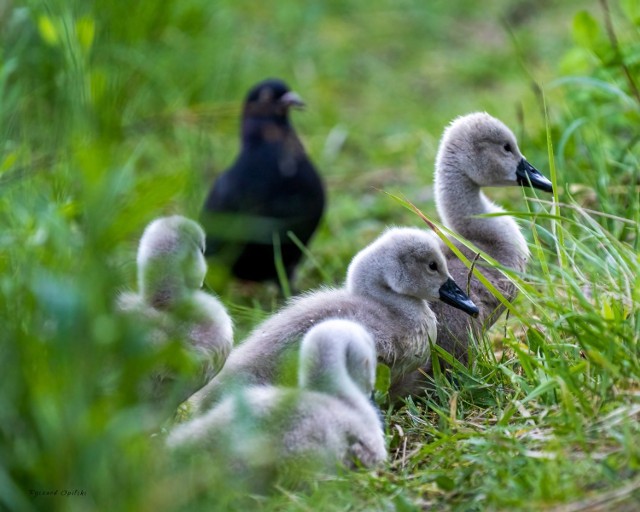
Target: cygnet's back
{"points": [[170, 304], [326, 422], [388, 286]]}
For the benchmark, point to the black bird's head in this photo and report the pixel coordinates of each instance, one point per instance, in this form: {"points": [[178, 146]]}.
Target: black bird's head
{"points": [[271, 99]]}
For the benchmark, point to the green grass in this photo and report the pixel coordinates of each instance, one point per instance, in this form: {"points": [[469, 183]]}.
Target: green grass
{"points": [[113, 114]]}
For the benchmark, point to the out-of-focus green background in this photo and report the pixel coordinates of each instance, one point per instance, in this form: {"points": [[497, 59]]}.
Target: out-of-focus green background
{"points": [[113, 113]]}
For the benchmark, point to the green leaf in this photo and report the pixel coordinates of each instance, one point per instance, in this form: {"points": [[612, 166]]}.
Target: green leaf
{"points": [[86, 30], [576, 61], [586, 30], [535, 340], [402, 504], [48, 31], [445, 483], [607, 310], [383, 378], [631, 9]]}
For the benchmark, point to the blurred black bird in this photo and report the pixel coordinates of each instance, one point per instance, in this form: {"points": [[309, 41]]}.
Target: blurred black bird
{"points": [[272, 191]]}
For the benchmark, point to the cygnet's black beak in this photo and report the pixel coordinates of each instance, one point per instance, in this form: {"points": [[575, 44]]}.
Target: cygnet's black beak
{"points": [[292, 99], [452, 294], [529, 176]]}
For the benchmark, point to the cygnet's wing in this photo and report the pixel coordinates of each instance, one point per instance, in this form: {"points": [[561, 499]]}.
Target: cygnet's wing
{"points": [[455, 327], [259, 359]]}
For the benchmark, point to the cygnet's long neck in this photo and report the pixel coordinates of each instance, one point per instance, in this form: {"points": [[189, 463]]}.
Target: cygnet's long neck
{"points": [[459, 200], [325, 370], [162, 286]]}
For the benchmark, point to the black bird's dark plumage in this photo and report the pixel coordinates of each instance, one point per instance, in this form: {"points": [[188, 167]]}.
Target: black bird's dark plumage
{"points": [[270, 190]]}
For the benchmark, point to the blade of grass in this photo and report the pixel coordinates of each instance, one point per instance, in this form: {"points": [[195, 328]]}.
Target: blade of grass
{"points": [[283, 280]]}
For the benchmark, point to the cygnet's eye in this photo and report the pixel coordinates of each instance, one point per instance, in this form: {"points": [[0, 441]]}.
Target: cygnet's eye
{"points": [[433, 266], [507, 148]]}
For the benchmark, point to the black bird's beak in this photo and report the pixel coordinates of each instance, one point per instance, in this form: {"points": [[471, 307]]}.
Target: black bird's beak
{"points": [[292, 99], [452, 294], [529, 176]]}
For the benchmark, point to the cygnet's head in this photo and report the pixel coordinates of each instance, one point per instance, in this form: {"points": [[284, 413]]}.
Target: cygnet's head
{"points": [[486, 150], [333, 350], [171, 259], [406, 262]]}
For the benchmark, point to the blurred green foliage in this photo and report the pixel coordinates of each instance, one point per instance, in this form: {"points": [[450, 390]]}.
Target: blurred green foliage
{"points": [[113, 113]]}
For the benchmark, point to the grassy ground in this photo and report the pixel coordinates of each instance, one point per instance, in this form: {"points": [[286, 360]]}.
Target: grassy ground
{"points": [[112, 114]]}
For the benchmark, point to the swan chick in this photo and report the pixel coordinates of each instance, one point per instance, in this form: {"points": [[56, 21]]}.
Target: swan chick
{"points": [[476, 151], [169, 301], [388, 286], [326, 422]]}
